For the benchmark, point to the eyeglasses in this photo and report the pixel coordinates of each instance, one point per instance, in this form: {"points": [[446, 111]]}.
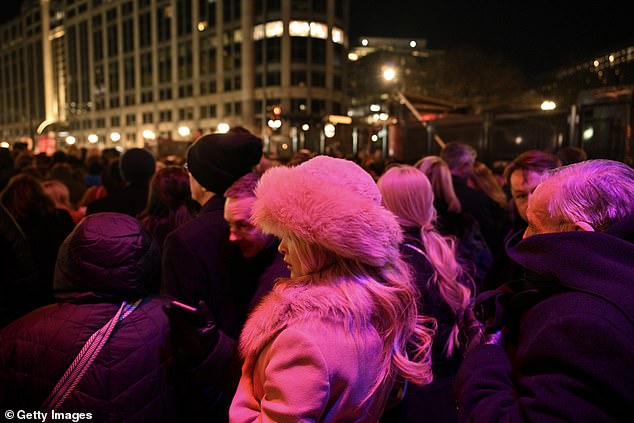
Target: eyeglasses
{"points": [[186, 168]]}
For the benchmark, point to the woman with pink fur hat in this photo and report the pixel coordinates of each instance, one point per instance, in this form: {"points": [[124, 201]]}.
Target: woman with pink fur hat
{"points": [[329, 343]]}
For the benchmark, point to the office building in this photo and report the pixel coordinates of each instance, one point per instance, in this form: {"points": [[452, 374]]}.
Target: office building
{"points": [[127, 72]]}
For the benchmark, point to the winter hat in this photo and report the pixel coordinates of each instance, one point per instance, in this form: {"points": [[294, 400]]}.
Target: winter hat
{"points": [[330, 202], [218, 160], [137, 165], [110, 255]]}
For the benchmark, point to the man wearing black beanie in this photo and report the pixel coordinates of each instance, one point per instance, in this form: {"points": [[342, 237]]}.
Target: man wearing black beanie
{"points": [[196, 256], [192, 255]]}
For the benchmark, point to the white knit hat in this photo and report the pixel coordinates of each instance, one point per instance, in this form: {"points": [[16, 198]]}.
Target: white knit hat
{"points": [[330, 202]]}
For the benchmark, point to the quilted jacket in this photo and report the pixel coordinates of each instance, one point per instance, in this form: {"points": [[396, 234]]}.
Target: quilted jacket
{"points": [[109, 257]]}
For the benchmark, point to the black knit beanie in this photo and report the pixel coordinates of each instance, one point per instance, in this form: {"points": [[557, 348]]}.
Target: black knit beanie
{"points": [[218, 160], [137, 165]]}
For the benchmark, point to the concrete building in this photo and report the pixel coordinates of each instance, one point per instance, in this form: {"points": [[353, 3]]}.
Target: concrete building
{"points": [[127, 72]]}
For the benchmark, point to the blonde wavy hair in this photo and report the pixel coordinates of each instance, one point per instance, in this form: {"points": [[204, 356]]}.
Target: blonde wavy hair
{"points": [[439, 175], [389, 290], [408, 194]]}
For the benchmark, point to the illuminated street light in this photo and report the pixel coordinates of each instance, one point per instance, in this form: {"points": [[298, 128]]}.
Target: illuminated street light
{"points": [[184, 131], [389, 73], [375, 138], [329, 130], [353, 57], [305, 127], [274, 123], [412, 44], [93, 138], [4, 144], [548, 105], [223, 128], [148, 134], [70, 140], [375, 108], [115, 137], [364, 42]]}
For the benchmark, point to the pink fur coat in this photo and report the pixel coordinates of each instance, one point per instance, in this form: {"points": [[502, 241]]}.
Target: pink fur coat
{"points": [[304, 360]]}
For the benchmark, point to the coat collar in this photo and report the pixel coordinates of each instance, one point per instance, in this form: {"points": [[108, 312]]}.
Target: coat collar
{"points": [[344, 302]]}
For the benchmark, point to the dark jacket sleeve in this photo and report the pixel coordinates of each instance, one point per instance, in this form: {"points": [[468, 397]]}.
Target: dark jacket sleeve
{"points": [[576, 368]]}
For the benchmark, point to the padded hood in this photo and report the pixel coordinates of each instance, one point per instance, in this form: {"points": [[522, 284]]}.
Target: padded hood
{"points": [[107, 255]]}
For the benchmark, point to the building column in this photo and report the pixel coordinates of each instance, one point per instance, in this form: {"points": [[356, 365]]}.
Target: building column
{"points": [[248, 65], [47, 63]]}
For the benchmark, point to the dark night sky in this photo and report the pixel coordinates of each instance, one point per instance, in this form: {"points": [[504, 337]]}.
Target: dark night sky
{"points": [[533, 34]]}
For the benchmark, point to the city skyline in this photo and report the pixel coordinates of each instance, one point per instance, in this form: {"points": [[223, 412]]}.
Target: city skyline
{"points": [[536, 36]]}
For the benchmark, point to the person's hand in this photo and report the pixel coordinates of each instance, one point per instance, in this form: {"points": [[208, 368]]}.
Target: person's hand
{"points": [[471, 331], [193, 329]]}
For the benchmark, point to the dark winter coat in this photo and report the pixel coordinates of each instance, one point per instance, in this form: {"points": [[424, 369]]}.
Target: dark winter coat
{"points": [[109, 257], [488, 213], [570, 342], [210, 385], [433, 402], [45, 234], [195, 257], [18, 286], [195, 267], [472, 251]]}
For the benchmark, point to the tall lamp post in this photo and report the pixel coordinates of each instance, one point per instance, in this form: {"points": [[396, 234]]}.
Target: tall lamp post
{"points": [[390, 76]]}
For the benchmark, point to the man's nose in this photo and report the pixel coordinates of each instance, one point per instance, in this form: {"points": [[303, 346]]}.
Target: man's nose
{"points": [[234, 236]]}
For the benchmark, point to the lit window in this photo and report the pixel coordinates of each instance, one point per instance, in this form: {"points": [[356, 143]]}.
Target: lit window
{"points": [[299, 29], [258, 32], [337, 35], [237, 36], [274, 29], [318, 30]]}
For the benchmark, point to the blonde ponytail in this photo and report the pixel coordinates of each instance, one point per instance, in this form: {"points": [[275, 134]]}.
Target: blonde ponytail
{"points": [[407, 193], [440, 252]]}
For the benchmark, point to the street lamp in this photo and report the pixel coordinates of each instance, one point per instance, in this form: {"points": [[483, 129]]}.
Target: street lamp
{"points": [[548, 105], [274, 123], [389, 73], [329, 130], [223, 128]]}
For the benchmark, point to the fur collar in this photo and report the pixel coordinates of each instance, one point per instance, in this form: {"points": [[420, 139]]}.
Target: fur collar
{"points": [[342, 302]]}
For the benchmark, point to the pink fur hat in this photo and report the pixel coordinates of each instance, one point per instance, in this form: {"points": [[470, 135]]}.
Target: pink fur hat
{"points": [[330, 202]]}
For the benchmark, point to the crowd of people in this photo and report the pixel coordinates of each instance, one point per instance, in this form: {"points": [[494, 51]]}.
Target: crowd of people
{"points": [[223, 286]]}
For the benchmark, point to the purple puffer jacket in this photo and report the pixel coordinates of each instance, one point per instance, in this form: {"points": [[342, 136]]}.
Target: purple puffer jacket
{"points": [[109, 257]]}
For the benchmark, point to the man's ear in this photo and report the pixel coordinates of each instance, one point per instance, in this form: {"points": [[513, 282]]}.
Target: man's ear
{"points": [[583, 226]]}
